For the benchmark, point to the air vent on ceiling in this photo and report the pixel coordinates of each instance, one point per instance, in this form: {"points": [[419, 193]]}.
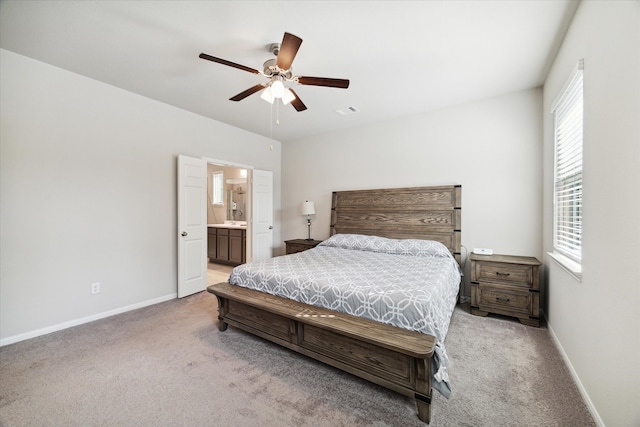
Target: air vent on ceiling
{"points": [[348, 110]]}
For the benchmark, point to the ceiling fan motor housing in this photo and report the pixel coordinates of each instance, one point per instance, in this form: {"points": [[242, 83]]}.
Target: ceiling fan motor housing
{"points": [[271, 69]]}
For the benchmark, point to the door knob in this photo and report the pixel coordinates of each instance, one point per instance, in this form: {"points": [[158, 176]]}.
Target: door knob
{"points": [[271, 227], [184, 233]]}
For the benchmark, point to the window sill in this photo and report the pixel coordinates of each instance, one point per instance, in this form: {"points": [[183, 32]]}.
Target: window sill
{"points": [[568, 265]]}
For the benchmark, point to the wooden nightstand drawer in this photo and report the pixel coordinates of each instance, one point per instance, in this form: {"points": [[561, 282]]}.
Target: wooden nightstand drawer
{"points": [[293, 248], [299, 245], [505, 300], [499, 272]]}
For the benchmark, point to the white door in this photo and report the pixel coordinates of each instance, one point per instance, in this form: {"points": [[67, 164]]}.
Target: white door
{"points": [[192, 225], [262, 224]]}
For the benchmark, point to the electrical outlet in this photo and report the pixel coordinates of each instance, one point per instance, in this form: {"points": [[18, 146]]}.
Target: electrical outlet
{"points": [[95, 288]]}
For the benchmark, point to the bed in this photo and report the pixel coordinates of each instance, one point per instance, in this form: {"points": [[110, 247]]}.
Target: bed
{"points": [[399, 250]]}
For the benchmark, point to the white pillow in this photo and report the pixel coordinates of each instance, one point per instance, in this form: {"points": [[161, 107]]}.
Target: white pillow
{"points": [[415, 247]]}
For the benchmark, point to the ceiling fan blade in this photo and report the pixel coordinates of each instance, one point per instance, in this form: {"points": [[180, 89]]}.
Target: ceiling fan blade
{"points": [[297, 103], [323, 81], [250, 91], [288, 50], [228, 63]]}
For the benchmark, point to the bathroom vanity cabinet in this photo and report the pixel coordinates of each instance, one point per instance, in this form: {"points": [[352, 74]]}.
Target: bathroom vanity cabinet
{"points": [[227, 245]]}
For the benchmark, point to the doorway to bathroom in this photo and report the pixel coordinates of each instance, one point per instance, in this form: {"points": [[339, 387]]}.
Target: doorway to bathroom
{"points": [[255, 234], [228, 203]]}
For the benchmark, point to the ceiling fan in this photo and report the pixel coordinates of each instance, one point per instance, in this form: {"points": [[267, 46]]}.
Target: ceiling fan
{"points": [[278, 71]]}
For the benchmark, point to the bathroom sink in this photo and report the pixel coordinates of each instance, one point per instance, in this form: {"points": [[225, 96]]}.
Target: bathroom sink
{"points": [[230, 224]]}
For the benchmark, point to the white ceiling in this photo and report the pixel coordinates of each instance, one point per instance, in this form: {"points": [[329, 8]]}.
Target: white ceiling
{"points": [[402, 57]]}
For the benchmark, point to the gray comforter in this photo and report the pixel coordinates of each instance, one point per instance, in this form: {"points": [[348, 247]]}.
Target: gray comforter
{"points": [[411, 284]]}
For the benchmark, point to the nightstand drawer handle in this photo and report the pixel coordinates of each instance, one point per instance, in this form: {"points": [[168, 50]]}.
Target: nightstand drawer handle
{"points": [[502, 299], [499, 273]]}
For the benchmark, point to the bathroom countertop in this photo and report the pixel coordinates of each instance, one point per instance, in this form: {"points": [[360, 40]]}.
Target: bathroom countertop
{"points": [[240, 226]]}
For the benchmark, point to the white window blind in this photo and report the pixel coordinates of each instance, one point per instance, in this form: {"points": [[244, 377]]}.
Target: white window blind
{"points": [[218, 189], [568, 125]]}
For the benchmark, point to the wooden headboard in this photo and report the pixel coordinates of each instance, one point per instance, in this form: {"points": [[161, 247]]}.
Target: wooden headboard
{"points": [[430, 213]]}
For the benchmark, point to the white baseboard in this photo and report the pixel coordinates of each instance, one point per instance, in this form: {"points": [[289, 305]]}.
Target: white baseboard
{"points": [[76, 322], [576, 378]]}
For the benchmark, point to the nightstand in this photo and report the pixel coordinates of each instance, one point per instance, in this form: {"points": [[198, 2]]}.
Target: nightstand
{"points": [[299, 245], [508, 285]]}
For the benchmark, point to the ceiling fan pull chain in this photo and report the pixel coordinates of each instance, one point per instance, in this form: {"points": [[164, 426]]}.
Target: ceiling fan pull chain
{"points": [[271, 121]]}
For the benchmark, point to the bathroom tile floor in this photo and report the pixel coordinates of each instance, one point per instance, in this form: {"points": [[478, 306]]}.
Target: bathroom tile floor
{"points": [[217, 273]]}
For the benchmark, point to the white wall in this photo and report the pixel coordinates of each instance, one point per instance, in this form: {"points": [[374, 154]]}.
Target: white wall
{"points": [[492, 148], [88, 193], [597, 322]]}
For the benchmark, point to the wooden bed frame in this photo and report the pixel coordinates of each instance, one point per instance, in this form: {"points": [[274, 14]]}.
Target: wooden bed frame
{"points": [[392, 357]]}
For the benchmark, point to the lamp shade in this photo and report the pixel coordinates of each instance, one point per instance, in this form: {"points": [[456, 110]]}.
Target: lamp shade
{"points": [[267, 95], [287, 96], [277, 89], [307, 208]]}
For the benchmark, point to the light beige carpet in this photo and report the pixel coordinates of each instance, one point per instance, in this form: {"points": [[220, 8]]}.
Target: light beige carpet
{"points": [[168, 365]]}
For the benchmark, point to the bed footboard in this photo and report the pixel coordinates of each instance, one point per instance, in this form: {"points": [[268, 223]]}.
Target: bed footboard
{"points": [[394, 358]]}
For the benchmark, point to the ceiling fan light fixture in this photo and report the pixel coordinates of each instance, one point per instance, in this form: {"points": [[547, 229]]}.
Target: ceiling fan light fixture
{"points": [[267, 95], [287, 96], [277, 89]]}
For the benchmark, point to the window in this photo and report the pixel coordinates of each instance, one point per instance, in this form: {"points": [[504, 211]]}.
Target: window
{"points": [[568, 126], [218, 189]]}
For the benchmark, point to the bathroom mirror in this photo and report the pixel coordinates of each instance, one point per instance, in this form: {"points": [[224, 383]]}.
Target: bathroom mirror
{"points": [[236, 210]]}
